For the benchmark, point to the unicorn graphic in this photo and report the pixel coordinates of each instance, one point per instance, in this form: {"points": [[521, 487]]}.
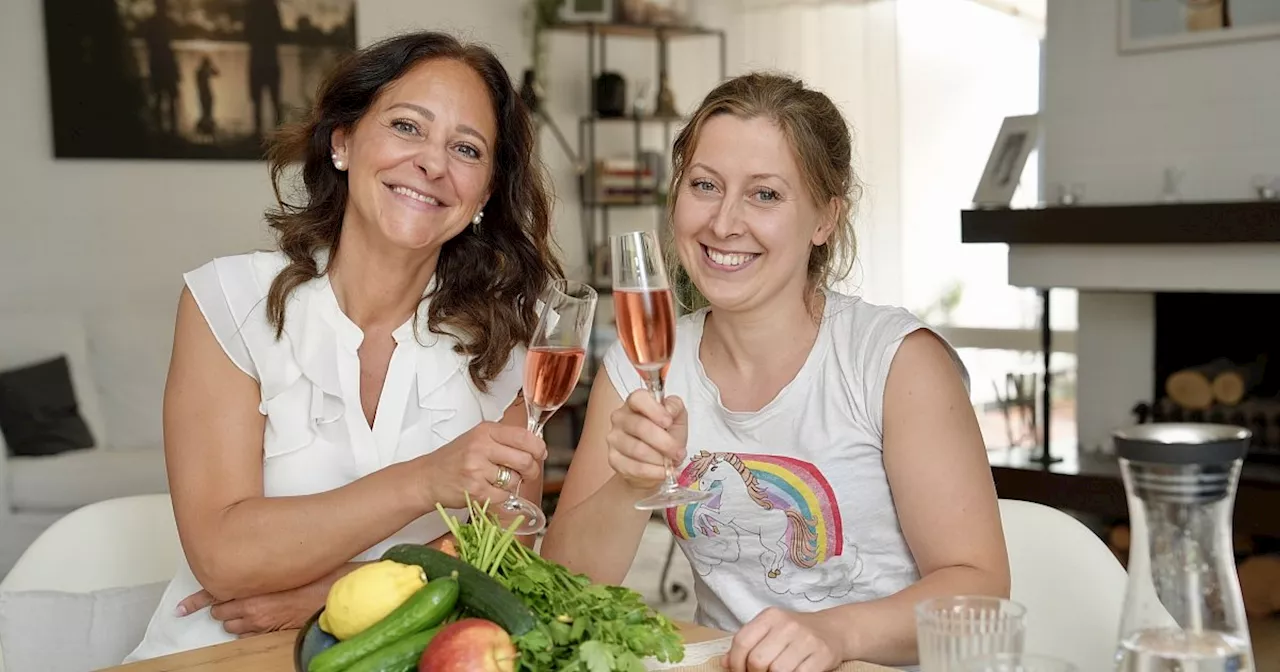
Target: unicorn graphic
{"points": [[780, 504], [785, 534]]}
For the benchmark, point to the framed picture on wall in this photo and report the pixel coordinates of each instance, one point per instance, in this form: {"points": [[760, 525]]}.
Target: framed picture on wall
{"points": [[1017, 137], [186, 79], [1147, 25]]}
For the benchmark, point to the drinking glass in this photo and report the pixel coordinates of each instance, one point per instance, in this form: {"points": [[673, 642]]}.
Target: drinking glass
{"points": [[551, 370], [1019, 662], [950, 631], [646, 316]]}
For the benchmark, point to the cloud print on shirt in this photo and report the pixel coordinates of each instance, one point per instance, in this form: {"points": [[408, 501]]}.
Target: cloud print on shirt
{"points": [[834, 578]]}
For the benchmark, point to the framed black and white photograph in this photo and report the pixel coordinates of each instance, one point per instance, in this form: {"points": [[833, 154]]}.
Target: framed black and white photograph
{"points": [[588, 11], [1147, 25], [1017, 138], [186, 79]]}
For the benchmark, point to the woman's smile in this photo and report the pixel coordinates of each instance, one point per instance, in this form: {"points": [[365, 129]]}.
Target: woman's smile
{"points": [[727, 261], [416, 199]]}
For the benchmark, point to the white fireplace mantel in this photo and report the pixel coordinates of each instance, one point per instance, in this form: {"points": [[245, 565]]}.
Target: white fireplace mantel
{"points": [[1215, 267], [1231, 246], [1119, 257]]}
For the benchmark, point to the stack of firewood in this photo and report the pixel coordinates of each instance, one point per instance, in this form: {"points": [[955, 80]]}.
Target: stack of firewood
{"points": [[1219, 392], [1218, 383]]}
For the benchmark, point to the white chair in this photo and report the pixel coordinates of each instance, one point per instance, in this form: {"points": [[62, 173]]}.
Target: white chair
{"points": [[129, 544], [1070, 582]]}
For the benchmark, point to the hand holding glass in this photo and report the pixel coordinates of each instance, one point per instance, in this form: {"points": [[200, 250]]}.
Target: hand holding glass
{"points": [[646, 315], [551, 370]]}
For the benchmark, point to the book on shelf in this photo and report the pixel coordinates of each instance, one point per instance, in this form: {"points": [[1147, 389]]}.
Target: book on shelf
{"points": [[624, 180]]}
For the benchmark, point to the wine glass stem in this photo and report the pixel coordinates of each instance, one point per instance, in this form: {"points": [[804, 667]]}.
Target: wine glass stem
{"points": [[655, 385], [534, 425]]}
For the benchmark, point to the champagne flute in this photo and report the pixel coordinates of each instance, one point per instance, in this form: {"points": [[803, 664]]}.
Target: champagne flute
{"points": [[551, 370], [646, 316]]}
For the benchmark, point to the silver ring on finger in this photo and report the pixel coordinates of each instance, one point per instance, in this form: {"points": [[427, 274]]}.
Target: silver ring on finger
{"points": [[504, 478]]}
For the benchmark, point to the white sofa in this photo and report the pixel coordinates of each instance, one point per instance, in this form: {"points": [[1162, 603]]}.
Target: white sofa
{"points": [[118, 361]]}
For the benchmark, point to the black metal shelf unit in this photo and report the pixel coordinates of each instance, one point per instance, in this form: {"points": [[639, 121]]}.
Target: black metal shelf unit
{"points": [[594, 211]]}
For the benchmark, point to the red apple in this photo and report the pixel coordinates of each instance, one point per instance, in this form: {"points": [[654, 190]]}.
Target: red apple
{"points": [[469, 645]]}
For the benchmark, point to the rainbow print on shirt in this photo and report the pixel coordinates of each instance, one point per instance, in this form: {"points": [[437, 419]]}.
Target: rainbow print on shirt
{"points": [[784, 502]]}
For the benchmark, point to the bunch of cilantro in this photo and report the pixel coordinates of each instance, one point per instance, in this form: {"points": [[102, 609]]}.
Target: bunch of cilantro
{"points": [[582, 627]]}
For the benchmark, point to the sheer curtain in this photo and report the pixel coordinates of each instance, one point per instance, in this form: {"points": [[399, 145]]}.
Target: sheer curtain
{"points": [[925, 85], [849, 51]]}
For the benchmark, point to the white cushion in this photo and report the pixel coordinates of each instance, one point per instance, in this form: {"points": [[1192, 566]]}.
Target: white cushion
{"points": [[30, 337], [53, 631], [73, 479], [129, 353]]}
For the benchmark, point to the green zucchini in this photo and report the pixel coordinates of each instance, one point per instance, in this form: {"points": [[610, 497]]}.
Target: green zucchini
{"points": [[400, 656], [424, 609], [479, 592]]}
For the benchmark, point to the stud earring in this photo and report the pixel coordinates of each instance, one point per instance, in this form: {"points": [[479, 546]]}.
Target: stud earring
{"points": [[338, 163], [479, 216]]}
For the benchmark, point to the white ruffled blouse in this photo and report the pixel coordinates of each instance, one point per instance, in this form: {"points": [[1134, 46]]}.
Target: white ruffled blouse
{"points": [[316, 436]]}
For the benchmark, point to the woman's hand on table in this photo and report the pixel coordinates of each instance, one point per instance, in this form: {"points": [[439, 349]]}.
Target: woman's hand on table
{"points": [[643, 434], [784, 641], [285, 610], [260, 614]]}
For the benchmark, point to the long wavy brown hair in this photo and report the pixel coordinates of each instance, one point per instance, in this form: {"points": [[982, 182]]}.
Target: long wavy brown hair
{"points": [[823, 147], [489, 277]]}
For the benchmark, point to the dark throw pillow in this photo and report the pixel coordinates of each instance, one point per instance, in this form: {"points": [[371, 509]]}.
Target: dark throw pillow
{"points": [[38, 410]]}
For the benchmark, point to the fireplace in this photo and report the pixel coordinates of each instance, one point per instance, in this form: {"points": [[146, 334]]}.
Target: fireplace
{"points": [[1217, 359]]}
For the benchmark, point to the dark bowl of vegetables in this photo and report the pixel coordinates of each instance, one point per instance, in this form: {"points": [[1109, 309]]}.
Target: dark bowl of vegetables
{"points": [[310, 642]]}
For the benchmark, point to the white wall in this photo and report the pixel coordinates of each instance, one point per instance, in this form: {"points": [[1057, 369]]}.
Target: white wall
{"points": [[1114, 122], [103, 234], [115, 236]]}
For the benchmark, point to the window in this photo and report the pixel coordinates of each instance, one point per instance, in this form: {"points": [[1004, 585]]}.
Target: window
{"points": [[963, 68], [926, 85]]}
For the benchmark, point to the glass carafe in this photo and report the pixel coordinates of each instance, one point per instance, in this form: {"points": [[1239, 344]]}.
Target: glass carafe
{"points": [[1183, 611]]}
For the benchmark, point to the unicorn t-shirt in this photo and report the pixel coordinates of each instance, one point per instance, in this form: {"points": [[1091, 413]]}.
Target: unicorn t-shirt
{"points": [[802, 517]]}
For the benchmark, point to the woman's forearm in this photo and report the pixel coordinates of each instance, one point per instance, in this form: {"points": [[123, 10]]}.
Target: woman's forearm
{"points": [[268, 544], [883, 631], [599, 537]]}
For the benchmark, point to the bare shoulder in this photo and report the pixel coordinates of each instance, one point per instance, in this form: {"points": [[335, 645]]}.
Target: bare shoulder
{"points": [[926, 400], [190, 328], [923, 354], [192, 334], [197, 354]]}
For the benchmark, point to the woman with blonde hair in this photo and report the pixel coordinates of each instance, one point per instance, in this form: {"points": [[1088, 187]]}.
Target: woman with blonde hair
{"points": [[849, 475]]}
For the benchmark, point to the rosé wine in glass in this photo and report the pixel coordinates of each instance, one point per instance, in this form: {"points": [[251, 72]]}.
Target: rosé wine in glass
{"points": [[646, 317], [552, 366]]}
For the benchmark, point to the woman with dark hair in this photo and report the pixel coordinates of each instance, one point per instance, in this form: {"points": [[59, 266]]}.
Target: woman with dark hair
{"points": [[324, 398]]}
